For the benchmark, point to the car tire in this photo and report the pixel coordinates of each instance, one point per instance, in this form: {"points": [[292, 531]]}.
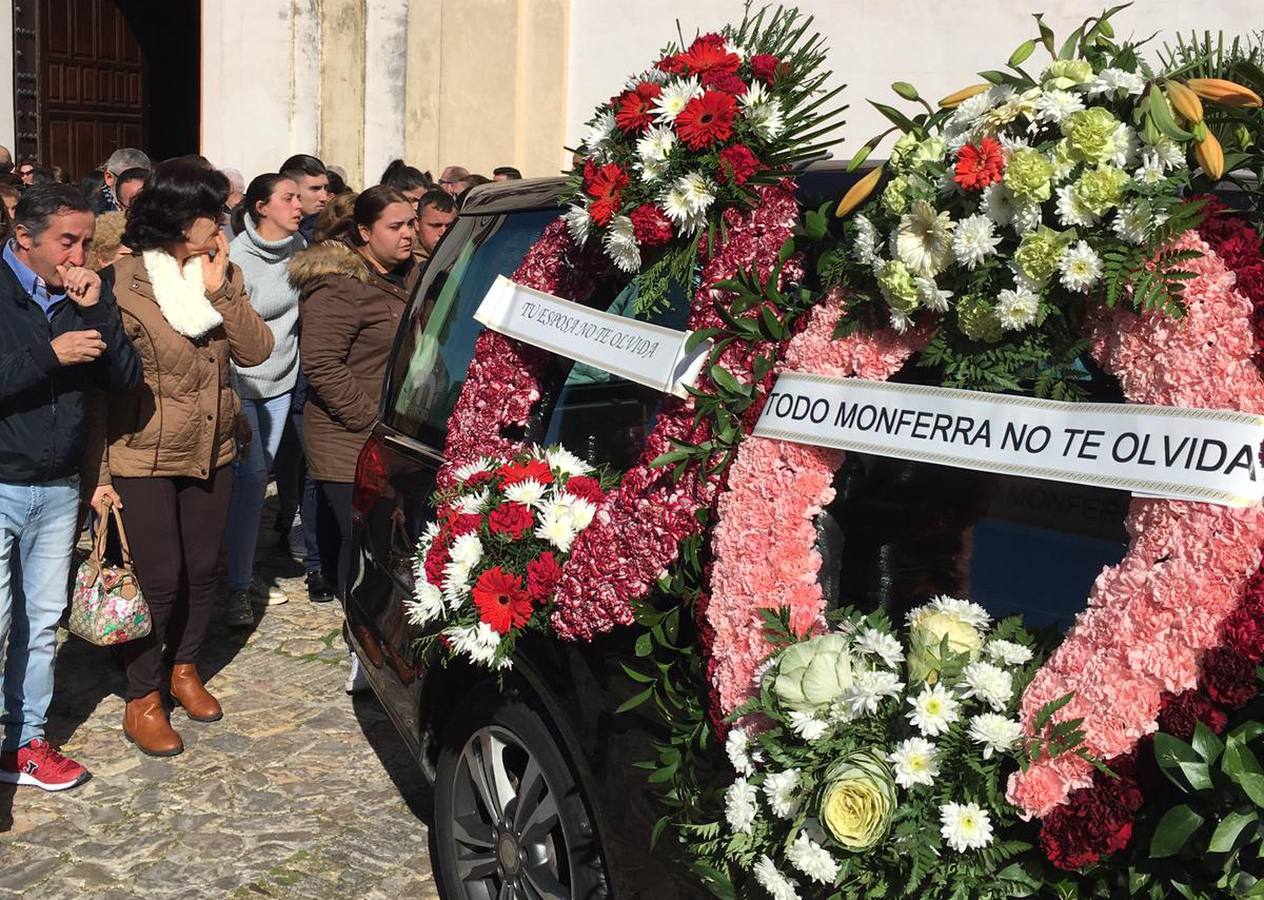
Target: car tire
{"points": [[511, 822]]}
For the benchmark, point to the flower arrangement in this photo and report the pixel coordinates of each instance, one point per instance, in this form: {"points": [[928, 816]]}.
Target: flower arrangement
{"points": [[488, 567], [870, 758]]}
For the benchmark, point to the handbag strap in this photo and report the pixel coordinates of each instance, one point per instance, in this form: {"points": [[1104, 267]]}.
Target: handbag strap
{"points": [[103, 530]]}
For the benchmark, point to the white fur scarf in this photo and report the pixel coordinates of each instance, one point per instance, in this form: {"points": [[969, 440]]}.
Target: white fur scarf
{"points": [[181, 295]]}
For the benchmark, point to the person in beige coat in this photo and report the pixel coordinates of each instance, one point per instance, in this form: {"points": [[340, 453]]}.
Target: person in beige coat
{"points": [[162, 452]]}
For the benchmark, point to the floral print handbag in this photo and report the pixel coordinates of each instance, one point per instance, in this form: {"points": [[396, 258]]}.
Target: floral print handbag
{"points": [[107, 606]]}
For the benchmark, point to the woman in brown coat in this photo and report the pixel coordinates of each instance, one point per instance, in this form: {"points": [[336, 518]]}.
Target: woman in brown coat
{"points": [[162, 452], [353, 289]]}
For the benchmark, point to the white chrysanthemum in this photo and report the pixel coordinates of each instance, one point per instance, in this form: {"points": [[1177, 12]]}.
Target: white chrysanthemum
{"points": [[566, 463], [996, 733], [578, 223], [479, 642], [1071, 212], [428, 604], [1169, 154], [965, 826], [924, 239], [1116, 83], [482, 464], [655, 76], [428, 537], [582, 511], [1027, 216], [867, 241], [1151, 169], [737, 746], [875, 642], [1123, 146], [767, 119], [1133, 221], [1017, 309], [1054, 106], [934, 710], [698, 192], [989, 683], [914, 761], [998, 204], [974, 240], [528, 493], [674, 97], [456, 583], [652, 169], [557, 526], [812, 859], [971, 613], [621, 246], [467, 550], [472, 504], [970, 109], [781, 792], [1007, 653], [656, 144], [599, 131], [1080, 266], [807, 726], [900, 321], [740, 806], [866, 692], [930, 294], [778, 886]]}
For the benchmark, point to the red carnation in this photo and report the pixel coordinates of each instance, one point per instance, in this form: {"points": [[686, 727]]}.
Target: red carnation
{"points": [[1228, 677], [768, 68], [707, 55], [513, 519], [707, 119], [501, 601], [543, 574], [465, 523], [673, 65], [725, 81], [605, 185], [531, 470], [1181, 712], [586, 488], [1251, 282], [738, 164], [635, 108], [481, 477], [650, 225], [977, 167], [438, 558], [1243, 632], [1095, 821], [1240, 249]]}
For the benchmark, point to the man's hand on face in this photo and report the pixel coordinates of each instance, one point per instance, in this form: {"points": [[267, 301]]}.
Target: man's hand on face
{"points": [[83, 286]]}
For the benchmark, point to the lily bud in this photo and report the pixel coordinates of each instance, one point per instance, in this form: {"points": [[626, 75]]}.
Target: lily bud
{"points": [[1185, 102], [952, 101], [859, 192], [1210, 156], [1226, 93]]}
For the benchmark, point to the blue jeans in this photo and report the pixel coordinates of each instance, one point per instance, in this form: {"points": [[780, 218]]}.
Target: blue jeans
{"points": [[250, 483], [37, 538]]}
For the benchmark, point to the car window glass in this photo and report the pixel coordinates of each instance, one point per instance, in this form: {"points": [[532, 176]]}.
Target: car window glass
{"points": [[438, 346]]}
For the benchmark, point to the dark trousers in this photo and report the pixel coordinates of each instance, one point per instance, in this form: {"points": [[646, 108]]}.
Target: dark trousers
{"points": [[175, 527], [333, 531], [295, 488]]}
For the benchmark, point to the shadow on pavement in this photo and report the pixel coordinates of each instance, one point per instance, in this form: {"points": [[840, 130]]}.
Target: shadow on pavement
{"points": [[400, 765]]}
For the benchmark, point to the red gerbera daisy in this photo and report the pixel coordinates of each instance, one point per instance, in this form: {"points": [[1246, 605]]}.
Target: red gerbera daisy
{"points": [[502, 603], [706, 120], [978, 167], [513, 473], [708, 54], [605, 185], [636, 107]]}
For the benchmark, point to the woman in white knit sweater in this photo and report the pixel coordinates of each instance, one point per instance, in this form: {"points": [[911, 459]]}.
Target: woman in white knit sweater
{"points": [[266, 223]]}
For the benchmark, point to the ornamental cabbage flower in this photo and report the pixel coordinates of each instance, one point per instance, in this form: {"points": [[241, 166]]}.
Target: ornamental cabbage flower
{"points": [[1029, 174], [1090, 134], [1100, 189], [858, 800], [1040, 251], [811, 674], [1064, 74], [927, 631]]}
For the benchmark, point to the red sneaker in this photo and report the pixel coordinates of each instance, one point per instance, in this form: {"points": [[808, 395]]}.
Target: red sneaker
{"points": [[40, 764]]}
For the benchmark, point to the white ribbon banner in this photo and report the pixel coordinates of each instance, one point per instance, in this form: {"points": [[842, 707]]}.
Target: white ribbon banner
{"points": [[638, 351], [1161, 451]]}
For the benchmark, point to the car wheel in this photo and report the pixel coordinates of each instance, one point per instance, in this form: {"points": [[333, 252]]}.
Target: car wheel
{"points": [[510, 819]]}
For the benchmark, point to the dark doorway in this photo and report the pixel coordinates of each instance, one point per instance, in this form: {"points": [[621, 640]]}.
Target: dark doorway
{"points": [[96, 75]]}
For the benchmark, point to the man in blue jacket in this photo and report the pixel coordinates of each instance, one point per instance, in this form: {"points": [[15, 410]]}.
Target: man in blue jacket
{"points": [[60, 335]]}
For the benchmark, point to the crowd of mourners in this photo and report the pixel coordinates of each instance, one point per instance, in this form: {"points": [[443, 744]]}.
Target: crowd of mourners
{"points": [[172, 340]]}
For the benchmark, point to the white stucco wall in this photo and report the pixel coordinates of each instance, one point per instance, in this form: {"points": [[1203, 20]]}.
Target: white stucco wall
{"points": [[8, 130], [936, 46]]}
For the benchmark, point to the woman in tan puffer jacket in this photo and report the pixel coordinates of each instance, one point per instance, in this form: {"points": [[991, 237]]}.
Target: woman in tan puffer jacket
{"points": [[162, 453]]}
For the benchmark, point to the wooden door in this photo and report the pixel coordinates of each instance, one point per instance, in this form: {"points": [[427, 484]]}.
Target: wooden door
{"points": [[91, 84]]}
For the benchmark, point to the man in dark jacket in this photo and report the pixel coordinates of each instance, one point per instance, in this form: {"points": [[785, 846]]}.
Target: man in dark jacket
{"points": [[60, 335]]}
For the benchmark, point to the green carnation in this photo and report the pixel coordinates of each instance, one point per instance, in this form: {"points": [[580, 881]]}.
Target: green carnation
{"points": [[1100, 189], [1028, 175], [898, 288], [978, 320], [1040, 251], [1064, 74], [1090, 133], [931, 150], [902, 148], [895, 196]]}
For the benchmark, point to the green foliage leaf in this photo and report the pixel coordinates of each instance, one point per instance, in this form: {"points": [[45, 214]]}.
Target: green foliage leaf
{"points": [[1174, 831]]}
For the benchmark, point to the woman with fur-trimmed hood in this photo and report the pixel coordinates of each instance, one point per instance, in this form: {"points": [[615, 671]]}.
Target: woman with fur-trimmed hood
{"points": [[353, 290]]}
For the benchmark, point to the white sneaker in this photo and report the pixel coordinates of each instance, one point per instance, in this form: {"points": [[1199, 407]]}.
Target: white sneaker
{"points": [[357, 681], [269, 592]]}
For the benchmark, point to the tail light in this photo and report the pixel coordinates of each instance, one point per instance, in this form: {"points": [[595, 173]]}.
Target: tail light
{"points": [[370, 477]]}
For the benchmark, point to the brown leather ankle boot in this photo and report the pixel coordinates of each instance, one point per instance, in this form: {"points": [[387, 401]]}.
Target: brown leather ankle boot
{"points": [[187, 690], [145, 724]]}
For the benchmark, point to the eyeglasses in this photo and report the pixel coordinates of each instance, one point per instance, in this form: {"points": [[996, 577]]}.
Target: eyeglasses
{"points": [[27, 171]]}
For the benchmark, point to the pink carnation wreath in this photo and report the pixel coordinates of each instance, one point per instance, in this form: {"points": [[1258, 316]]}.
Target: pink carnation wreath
{"points": [[1171, 634], [637, 531]]}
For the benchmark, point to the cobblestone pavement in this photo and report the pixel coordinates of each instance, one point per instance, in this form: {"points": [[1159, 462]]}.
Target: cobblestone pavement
{"points": [[300, 791]]}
